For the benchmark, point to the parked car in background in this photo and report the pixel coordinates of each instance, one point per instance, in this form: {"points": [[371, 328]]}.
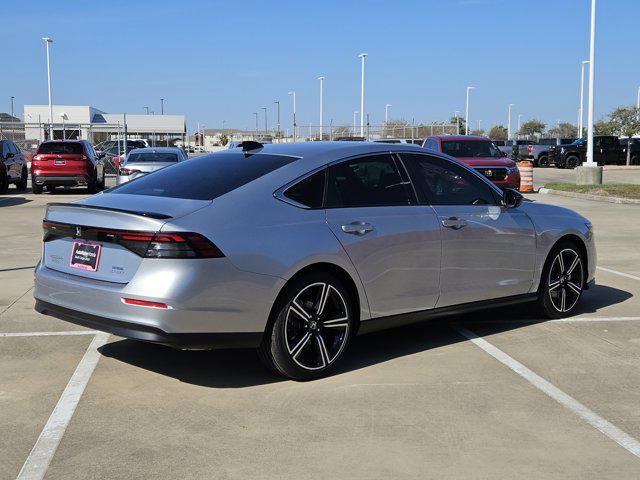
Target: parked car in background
{"points": [[13, 167], [539, 153], [28, 149], [511, 148], [606, 151], [481, 154], [67, 163], [634, 145], [142, 161], [114, 147], [350, 139], [411, 141], [295, 248]]}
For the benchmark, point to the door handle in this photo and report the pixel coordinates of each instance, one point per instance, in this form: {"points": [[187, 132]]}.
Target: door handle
{"points": [[454, 222], [357, 228]]}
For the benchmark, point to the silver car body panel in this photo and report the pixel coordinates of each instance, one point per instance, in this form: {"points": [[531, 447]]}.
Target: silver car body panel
{"points": [[396, 268]]}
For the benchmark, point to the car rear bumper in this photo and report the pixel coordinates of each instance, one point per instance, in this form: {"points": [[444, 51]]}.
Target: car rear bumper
{"points": [[63, 180], [146, 333]]}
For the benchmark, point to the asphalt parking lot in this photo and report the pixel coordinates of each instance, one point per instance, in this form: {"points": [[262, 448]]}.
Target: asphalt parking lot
{"points": [[499, 395]]}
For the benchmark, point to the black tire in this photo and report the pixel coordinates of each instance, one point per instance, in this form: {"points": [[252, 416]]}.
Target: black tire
{"points": [[37, 189], [543, 161], [21, 185], [4, 183], [562, 281], [313, 323], [92, 187], [572, 162]]}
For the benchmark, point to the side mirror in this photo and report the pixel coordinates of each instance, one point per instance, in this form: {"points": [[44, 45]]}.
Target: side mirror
{"points": [[512, 198]]}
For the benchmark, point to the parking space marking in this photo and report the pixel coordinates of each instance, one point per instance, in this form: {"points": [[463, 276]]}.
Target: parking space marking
{"points": [[39, 458], [622, 274], [47, 334], [622, 438]]}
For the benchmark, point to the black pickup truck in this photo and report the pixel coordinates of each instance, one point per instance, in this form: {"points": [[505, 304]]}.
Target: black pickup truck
{"points": [[607, 150]]}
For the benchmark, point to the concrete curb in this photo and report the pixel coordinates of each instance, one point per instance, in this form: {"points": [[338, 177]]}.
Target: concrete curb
{"points": [[587, 196]]}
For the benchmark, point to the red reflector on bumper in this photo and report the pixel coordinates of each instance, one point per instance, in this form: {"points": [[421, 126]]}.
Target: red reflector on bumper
{"points": [[144, 303]]}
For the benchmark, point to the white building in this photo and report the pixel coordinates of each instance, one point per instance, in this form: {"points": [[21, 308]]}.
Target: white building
{"points": [[89, 123]]}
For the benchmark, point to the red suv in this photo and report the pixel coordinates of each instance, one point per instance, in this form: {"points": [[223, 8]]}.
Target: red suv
{"points": [[479, 153], [70, 163]]}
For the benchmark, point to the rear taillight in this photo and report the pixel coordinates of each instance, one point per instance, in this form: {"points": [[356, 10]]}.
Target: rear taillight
{"points": [[144, 244], [144, 303], [37, 158], [128, 171], [530, 149]]}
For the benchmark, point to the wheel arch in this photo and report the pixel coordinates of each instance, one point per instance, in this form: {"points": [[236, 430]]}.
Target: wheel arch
{"points": [[580, 245]]}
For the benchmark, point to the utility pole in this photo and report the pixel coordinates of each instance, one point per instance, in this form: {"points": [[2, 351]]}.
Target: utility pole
{"points": [[509, 123], [580, 124], [256, 114], [277, 102], [293, 94], [386, 112], [362, 56], [265, 121], [355, 115], [12, 115], [162, 106], [321, 78], [47, 41], [466, 120]]}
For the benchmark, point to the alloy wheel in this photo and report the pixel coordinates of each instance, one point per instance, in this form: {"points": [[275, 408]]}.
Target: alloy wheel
{"points": [[565, 280], [316, 326]]}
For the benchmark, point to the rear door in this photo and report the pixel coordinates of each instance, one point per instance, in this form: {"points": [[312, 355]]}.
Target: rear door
{"points": [[488, 251], [393, 242]]}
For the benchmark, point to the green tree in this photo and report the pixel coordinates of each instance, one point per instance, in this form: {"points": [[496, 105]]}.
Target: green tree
{"points": [[625, 122], [224, 140], [604, 127], [498, 132], [460, 121], [531, 128], [564, 130], [477, 133]]}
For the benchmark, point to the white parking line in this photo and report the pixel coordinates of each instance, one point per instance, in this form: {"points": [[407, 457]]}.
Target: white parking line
{"points": [[37, 462], [622, 274], [47, 334], [623, 439], [595, 319]]}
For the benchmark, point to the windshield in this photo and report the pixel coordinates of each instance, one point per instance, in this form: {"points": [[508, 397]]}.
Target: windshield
{"points": [[579, 141], [152, 157], [205, 177], [470, 148]]}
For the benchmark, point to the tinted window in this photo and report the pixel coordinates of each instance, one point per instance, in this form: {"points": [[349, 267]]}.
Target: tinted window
{"points": [[5, 148], [153, 157], [470, 149], [308, 192], [205, 177], [66, 148], [431, 144], [13, 148], [442, 182], [366, 182]]}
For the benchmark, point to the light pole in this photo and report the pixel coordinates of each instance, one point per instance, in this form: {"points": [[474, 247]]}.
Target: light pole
{"points": [[638, 100], [355, 114], [455, 114], [12, 98], [466, 119], [147, 109], [265, 120], [256, 114], [293, 94], [162, 106], [580, 125], [64, 133], [321, 78], [479, 128], [362, 56], [509, 122], [47, 41], [277, 102], [386, 112]]}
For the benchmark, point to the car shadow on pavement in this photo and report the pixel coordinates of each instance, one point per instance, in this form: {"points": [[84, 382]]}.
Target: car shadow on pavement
{"points": [[13, 201], [238, 368]]}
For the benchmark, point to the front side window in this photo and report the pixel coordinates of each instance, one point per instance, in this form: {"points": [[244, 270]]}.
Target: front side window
{"points": [[441, 182], [308, 191], [366, 182]]}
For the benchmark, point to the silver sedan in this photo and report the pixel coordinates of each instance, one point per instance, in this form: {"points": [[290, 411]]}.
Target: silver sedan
{"points": [[296, 248], [141, 161]]}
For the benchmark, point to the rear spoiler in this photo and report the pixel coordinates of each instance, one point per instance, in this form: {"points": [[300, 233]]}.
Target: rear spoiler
{"points": [[158, 216]]}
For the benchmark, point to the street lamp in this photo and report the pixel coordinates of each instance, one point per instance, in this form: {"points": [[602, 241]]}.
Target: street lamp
{"points": [[355, 114], [466, 119], [293, 94], [509, 122], [386, 112], [47, 41], [362, 56], [265, 120], [580, 125], [256, 114], [162, 106], [321, 78], [12, 98], [277, 102]]}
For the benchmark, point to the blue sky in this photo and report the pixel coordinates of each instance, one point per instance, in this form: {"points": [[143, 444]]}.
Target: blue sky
{"points": [[215, 61]]}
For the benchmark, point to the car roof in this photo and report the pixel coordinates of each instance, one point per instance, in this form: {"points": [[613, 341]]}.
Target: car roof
{"points": [[460, 137]]}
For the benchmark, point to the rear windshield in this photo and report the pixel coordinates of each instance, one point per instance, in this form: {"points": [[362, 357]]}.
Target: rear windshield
{"points": [[470, 148], [61, 148], [152, 157], [205, 177]]}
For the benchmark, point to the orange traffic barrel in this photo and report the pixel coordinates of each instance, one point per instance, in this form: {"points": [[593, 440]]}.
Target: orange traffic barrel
{"points": [[526, 176]]}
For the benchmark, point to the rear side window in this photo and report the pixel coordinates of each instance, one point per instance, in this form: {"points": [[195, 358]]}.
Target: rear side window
{"points": [[309, 191], [153, 157], [441, 182], [366, 182], [67, 148], [205, 177]]}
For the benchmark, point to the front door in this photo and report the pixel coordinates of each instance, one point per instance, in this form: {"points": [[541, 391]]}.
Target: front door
{"points": [[488, 251], [393, 242]]}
